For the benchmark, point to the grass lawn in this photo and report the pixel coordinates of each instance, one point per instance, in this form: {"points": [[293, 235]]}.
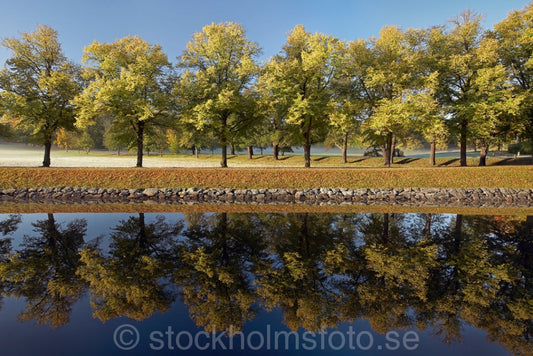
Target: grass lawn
{"points": [[335, 161], [186, 170], [400, 176]]}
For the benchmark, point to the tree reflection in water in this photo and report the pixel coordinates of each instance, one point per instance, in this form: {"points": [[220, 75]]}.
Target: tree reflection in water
{"points": [[220, 256], [43, 271], [131, 280], [396, 270]]}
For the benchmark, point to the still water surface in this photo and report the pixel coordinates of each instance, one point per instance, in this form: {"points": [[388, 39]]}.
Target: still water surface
{"points": [[365, 283]]}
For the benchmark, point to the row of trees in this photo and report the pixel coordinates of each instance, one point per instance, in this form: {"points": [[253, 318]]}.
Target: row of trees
{"points": [[398, 271], [459, 82]]}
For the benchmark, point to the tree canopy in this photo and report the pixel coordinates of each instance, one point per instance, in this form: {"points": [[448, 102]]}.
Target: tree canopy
{"points": [[128, 81], [37, 86], [456, 83], [218, 68]]}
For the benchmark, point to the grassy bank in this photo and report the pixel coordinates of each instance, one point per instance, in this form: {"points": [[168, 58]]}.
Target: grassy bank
{"points": [[240, 178], [335, 161]]}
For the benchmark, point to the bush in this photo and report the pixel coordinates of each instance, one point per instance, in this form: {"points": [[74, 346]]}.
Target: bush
{"points": [[522, 147]]}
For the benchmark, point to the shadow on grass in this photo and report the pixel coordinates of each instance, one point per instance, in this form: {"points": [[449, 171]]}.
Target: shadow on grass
{"points": [[356, 160], [448, 162], [522, 161], [407, 160], [318, 159]]}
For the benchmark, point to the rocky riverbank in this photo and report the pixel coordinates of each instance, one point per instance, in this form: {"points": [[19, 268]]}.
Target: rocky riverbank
{"points": [[475, 197]]}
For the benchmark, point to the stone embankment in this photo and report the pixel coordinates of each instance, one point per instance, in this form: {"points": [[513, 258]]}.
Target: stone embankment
{"points": [[494, 197]]}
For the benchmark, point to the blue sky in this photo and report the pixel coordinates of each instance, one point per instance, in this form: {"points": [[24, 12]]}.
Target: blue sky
{"points": [[172, 23]]}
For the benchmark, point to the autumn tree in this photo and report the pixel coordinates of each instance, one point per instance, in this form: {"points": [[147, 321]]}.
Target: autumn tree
{"points": [[128, 82], [430, 117], [391, 78], [66, 139], [348, 107], [37, 86], [275, 109], [299, 80], [471, 90], [496, 103], [515, 52], [218, 66]]}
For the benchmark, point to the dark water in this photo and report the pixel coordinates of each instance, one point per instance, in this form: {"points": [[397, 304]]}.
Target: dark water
{"points": [[371, 284]]}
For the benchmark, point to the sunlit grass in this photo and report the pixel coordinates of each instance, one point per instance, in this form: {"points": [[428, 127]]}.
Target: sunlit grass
{"points": [[300, 178]]}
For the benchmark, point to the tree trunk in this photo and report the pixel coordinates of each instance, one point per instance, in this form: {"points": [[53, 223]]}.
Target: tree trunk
{"points": [[392, 149], [462, 140], [483, 154], [195, 151], [275, 151], [250, 152], [387, 152], [224, 144], [307, 144], [140, 143], [432, 161], [307, 154], [530, 131], [232, 149], [224, 161], [345, 148], [47, 150]]}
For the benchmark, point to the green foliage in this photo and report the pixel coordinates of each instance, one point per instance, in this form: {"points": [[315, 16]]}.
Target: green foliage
{"points": [[401, 87], [515, 53], [523, 147], [392, 76], [298, 81], [129, 83], [86, 142], [37, 86], [218, 67], [473, 88]]}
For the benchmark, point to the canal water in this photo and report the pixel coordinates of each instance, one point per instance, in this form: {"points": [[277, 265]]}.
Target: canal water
{"points": [[256, 284]]}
